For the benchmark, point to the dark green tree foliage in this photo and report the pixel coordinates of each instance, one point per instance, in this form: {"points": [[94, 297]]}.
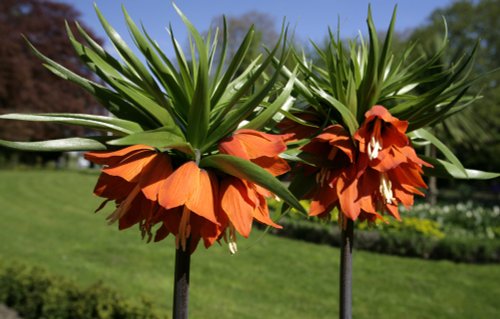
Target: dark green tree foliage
{"points": [[25, 85], [475, 133]]}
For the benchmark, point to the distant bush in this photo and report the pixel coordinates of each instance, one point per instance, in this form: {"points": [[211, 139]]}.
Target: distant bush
{"points": [[460, 219], [462, 232], [34, 294]]}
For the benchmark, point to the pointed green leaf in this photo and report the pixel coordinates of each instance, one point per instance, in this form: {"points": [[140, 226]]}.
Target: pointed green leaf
{"points": [[58, 145], [448, 170], [233, 67], [160, 138], [426, 135], [284, 100], [199, 110], [247, 170], [109, 99], [99, 122], [147, 82], [348, 118]]}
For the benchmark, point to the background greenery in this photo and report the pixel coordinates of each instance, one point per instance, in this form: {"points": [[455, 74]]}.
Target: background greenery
{"points": [[270, 277]]}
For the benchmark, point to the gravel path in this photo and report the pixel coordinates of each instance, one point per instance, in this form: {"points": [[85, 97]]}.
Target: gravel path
{"points": [[6, 313]]}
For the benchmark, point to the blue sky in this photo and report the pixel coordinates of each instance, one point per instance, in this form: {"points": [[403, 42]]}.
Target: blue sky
{"points": [[310, 19]]}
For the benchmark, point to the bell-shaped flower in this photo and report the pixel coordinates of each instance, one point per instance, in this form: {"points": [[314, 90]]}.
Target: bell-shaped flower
{"points": [[131, 177], [333, 154], [195, 190], [389, 170]]}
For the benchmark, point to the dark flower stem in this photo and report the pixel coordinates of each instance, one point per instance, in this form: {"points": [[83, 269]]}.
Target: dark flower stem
{"points": [[181, 284], [346, 270]]}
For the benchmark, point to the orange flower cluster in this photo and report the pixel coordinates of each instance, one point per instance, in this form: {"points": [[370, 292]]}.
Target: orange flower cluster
{"points": [[372, 172], [193, 203]]}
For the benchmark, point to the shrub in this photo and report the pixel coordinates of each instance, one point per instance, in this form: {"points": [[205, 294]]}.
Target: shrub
{"points": [[35, 293], [417, 238]]}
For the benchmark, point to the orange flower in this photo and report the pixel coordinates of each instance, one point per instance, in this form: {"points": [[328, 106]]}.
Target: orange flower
{"points": [[190, 202], [241, 203], [130, 177], [382, 172], [148, 191], [195, 190], [261, 148], [241, 200], [334, 156], [389, 170]]}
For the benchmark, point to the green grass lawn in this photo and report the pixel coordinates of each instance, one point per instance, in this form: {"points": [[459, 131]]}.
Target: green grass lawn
{"points": [[47, 219]]}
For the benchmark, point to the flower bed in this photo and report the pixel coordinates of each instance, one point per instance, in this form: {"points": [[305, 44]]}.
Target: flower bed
{"points": [[462, 232]]}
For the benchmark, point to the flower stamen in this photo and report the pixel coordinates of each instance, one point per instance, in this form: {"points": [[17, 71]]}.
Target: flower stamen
{"points": [[322, 176], [386, 189], [233, 248], [373, 148], [184, 229]]}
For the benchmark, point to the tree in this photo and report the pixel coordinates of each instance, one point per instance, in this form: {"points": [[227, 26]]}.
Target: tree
{"points": [[265, 32], [25, 85], [476, 133]]}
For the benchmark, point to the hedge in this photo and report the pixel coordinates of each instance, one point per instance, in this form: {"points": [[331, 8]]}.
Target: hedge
{"points": [[401, 242], [35, 293]]}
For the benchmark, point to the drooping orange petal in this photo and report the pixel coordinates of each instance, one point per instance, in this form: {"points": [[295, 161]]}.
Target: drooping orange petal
{"points": [[205, 229], [412, 155], [259, 144], [131, 167], [233, 203], [140, 209], [261, 213], [161, 233], [347, 191], [154, 175], [368, 186], [388, 159], [409, 179], [112, 187], [381, 112], [201, 200], [112, 158], [393, 210], [330, 145], [124, 206], [259, 190], [404, 197], [322, 200], [178, 187], [274, 165], [233, 146]]}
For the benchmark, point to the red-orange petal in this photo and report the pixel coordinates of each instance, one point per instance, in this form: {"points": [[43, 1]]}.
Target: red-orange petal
{"points": [[348, 197], [189, 185], [178, 187], [261, 214], [154, 175], [131, 166], [233, 203], [323, 200], [233, 146], [274, 165], [259, 144], [113, 157], [112, 187], [201, 200]]}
